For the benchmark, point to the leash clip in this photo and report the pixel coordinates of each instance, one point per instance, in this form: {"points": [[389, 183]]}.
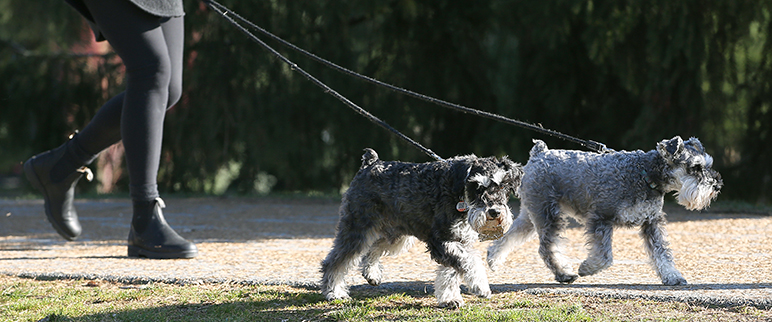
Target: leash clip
{"points": [[598, 147]]}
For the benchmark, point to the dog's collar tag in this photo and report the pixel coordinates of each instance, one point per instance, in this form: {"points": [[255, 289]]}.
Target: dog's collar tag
{"points": [[461, 206]]}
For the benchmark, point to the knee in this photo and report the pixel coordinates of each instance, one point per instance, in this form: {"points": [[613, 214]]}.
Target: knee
{"points": [[172, 79], [175, 91], [157, 75]]}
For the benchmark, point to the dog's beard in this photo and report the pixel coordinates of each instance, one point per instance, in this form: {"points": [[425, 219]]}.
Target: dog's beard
{"points": [[477, 217], [489, 229], [693, 194]]}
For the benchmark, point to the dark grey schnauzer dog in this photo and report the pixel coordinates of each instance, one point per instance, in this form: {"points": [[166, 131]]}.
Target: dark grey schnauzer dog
{"points": [[446, 204], [606, 190]]}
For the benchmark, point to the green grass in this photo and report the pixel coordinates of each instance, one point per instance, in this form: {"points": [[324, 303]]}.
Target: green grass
{"points": [[29, 300], [80, 300]]}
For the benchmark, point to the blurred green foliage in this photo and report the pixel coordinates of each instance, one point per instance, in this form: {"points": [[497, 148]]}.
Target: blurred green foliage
{"points": [[625, 73]]}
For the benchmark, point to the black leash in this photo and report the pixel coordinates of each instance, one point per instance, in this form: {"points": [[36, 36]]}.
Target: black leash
{"points": [[225, 13], [590, 144]]}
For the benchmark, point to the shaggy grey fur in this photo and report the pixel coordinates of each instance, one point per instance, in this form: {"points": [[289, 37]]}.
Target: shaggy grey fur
{"points": [[390, 203], [606, 190]]}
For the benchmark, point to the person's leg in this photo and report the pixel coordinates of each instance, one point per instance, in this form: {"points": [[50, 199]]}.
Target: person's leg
{"points": [[55, 173], [151, 49], [104, 129], [139, 40], [174, 35]]}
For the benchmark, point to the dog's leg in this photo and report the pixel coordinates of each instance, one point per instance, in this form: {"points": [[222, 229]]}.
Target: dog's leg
{"points": [[600, 255], [653, 234], [348, 247], [464, 260], [372, 270], [549, 223], [521, 230], [447, 288]]}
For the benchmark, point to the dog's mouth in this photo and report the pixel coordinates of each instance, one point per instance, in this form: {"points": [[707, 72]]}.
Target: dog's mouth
{"points": [[492, 229], [489, 222], [497, 221]]}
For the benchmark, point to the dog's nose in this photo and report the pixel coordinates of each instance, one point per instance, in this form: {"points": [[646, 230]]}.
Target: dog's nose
{"points": [[494, 213]]}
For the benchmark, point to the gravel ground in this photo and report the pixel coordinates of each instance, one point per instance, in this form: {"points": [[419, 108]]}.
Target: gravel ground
{"points": [[725, 256]]}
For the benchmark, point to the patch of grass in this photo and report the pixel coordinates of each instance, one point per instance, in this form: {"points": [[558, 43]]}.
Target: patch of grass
{"points": [[81, 300], [402, 307]]}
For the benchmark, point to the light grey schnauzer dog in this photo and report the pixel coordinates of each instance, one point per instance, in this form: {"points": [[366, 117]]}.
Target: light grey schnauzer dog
{"points": [[444, 203], [603, 190]]}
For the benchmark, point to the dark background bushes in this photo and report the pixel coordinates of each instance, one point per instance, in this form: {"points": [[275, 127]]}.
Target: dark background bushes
{"points": [[625, 73]]}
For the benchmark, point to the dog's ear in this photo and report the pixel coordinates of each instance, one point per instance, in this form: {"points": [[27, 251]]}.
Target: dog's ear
{"points": [[695, 144], [511, 167], [368, 158], [514, 171], [474, 174], [468, 171], [508, 164], [461, 173], [671, 149]]}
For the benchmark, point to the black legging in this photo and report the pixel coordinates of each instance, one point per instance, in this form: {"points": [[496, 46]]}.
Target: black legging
{"points": [[151, 49]]}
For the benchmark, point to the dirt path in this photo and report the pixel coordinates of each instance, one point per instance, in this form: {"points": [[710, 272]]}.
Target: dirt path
{"points": [[725, 257]]}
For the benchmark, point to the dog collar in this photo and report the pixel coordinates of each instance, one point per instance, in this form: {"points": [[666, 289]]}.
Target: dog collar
{"points": [[462, 206], [647, 179]]}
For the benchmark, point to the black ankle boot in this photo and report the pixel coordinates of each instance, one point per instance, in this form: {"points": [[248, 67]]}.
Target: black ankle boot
{"points": [[150, 236], [58, 195]]}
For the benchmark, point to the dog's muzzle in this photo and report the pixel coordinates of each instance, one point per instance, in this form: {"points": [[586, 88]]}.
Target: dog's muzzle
{"points": [[494, 225]]}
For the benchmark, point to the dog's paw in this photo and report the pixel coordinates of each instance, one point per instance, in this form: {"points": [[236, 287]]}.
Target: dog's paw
{"points": [[674, 280], [566, 278], [586, 271], [373, 281], [483, 291], [494, 262], [452, 304], [336, 295], [373, 276], [494, 266], [590, 267]]}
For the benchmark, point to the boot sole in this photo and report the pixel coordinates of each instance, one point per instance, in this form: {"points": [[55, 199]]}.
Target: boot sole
{"points": [[32, 177], [137, 252]]}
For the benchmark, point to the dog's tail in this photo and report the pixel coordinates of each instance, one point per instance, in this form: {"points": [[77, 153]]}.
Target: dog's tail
{"points": [[538, 147], [369, 158]]}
